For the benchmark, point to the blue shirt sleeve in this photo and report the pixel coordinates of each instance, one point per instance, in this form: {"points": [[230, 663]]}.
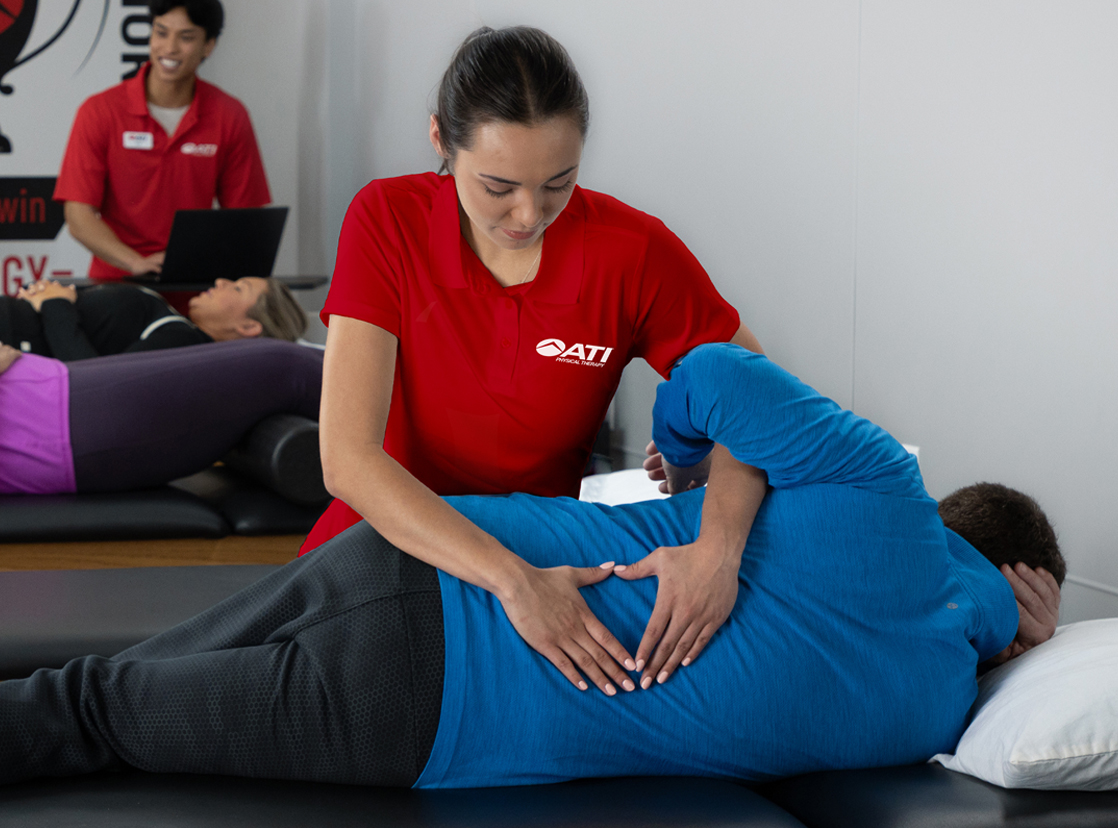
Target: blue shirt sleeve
{"points": [[722, 393]]}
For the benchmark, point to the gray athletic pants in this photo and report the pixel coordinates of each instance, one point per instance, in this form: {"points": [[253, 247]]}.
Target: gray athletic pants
{"points": [[329, 669]]}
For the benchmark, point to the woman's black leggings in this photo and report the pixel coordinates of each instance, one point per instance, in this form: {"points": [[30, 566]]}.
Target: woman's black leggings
{"points": [[330, 669], [142, 419]]}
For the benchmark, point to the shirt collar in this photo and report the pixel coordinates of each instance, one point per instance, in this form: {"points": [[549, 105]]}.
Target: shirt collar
{"points": [[137, 90], [560, 276], [138, 98]]}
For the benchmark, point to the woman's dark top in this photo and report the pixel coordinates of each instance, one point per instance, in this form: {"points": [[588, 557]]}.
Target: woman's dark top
{"points": [[105, 319]]}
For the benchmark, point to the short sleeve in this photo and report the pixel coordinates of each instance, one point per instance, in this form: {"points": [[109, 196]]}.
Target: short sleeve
{"points": [[85, 163], [367, 272], [770, 419], [243, 182], [677, 305]]}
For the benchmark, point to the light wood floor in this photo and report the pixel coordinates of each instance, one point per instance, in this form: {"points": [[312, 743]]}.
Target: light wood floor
{"points": [[234, 549]]}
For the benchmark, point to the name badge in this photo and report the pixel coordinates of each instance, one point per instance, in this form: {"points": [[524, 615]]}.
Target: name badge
{"points": [[139, 140]]}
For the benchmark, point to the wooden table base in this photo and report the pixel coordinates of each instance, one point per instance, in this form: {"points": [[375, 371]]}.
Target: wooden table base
{"points": [[234, 549]]}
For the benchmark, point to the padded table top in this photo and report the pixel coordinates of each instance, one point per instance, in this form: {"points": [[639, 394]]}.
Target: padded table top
{"points": [[50, 617], [140, 800], [930, 796]]}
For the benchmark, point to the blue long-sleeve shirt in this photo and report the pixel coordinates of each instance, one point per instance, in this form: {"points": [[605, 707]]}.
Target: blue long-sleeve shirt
{"points": [[859, 622]]}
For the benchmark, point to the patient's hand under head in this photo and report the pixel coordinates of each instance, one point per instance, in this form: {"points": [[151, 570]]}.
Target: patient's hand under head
{"points": [[1038, 605], [1012, 532], [8, 355]]}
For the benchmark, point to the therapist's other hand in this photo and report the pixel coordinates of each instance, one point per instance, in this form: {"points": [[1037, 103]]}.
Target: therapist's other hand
{"points": [[147, 264], [8, 355], [550, 614], [675, 479], [696, 592], [39, 292]]}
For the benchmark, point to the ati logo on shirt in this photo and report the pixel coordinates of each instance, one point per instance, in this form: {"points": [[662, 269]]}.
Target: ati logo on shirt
{"points": [[577, 354], [203, 150]]}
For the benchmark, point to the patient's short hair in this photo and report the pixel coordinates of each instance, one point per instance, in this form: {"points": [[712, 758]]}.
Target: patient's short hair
{"points": [[1005, 525], [208, 14], [278, 313]]}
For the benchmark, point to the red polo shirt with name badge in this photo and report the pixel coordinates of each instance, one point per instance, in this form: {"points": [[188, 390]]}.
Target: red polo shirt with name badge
{"points": [[120, 160], [503, 389]]}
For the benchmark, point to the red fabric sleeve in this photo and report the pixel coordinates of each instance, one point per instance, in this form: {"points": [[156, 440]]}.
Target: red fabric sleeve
{"points": [[367, 273], [677, 306], [243, 182], [84, 165]]}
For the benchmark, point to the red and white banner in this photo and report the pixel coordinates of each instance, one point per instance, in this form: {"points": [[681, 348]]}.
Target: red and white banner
{"points": [[53, 55]]}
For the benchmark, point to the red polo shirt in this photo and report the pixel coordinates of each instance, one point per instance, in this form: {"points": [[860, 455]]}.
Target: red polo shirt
{"points": [[504, 389], [121, 161]]}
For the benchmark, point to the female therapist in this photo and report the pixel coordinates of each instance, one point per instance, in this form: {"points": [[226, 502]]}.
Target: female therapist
{"points": [[478, 326]]}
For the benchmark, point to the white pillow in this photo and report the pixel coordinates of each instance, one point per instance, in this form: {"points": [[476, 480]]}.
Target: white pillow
{"points": [[1049, 718]]}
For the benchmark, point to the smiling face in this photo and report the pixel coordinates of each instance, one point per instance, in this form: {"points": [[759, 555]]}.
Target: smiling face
{"points": [[222, 311], [178, 47], [513, 181]]}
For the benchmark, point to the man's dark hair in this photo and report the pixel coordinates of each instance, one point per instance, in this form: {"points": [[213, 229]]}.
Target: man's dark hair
{"points": [[1005, 525], [205, 13], [518, 75]]}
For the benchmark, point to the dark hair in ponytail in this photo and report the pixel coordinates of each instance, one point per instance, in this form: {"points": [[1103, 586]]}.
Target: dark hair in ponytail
{"points": [[518, 75]]}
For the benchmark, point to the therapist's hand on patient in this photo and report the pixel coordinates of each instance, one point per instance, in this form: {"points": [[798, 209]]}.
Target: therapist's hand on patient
{"points": [[550, 614], [696, 593], [40, 292]]}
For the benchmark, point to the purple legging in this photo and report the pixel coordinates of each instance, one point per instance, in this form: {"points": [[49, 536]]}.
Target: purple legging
{"points": [[142, 419]]}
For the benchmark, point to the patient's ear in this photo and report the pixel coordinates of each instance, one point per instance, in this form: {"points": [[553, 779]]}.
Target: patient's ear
{"points": [[249, 328]]}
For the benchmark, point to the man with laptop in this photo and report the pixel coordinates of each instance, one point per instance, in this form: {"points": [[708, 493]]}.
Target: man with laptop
{"points": [[157, 143]]}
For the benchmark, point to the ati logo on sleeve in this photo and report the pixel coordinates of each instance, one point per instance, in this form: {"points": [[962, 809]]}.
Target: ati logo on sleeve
{"points": [[577, 354]]}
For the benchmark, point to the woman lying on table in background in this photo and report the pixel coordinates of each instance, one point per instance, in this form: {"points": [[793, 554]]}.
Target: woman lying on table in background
{"points": [[60, 321], [135, 420]]}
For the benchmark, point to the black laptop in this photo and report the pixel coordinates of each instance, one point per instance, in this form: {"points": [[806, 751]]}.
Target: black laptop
{"points": [[220, 244]]}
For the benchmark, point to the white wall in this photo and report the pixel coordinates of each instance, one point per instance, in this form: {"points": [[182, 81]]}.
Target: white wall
{"points": [[987, 246], [912, 204]]}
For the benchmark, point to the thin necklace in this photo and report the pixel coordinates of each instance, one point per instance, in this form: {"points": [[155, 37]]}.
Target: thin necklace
{"points": [[531, 267]]}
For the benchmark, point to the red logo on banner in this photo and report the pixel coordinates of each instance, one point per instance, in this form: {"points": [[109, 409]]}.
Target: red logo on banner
{"points": [[9, 13], [16, 19]]}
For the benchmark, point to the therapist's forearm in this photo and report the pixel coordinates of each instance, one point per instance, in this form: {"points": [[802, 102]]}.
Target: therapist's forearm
{"points": [[90, 229], [413, 518]]}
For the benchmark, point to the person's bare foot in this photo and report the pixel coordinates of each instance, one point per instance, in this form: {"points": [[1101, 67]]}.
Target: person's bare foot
{"points": [[8, 355]]}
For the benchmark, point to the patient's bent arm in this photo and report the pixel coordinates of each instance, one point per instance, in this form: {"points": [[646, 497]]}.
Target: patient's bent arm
{"points": [[770, 419], [544, 605]]}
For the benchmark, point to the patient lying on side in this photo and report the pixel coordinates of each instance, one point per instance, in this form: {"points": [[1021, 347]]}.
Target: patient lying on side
{"points": [[859, 624]]}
